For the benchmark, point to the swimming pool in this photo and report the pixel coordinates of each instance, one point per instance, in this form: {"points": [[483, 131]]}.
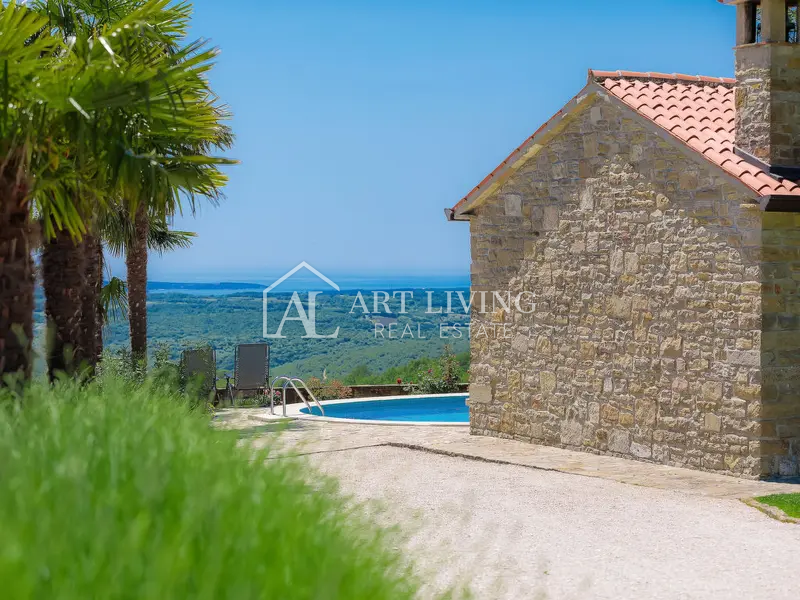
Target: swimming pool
{"points": [[443, 409]]}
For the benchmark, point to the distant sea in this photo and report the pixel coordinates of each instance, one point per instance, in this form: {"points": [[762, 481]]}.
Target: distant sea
{"points": [[304, 281]]}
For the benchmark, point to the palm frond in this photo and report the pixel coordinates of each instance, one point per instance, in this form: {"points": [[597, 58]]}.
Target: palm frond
{"points": [[102, 100], [114, 300], [161, 239]]}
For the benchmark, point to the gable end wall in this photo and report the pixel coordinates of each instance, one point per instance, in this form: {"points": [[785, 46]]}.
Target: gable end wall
{"points": [[649, 279]]}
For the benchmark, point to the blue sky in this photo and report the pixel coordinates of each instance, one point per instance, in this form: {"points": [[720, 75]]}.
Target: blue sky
{"points": [[358, 122]]}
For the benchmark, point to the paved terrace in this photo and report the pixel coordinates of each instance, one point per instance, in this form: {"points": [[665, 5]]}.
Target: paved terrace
{"points": [[509, 520], [309, 437]]}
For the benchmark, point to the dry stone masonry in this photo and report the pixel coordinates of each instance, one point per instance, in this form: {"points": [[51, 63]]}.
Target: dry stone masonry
{"points": [[666, 322], [656, 222]]}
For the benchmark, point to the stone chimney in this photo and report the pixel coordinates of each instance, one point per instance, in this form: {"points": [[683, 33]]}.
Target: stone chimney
{"points": [[768, 82]]}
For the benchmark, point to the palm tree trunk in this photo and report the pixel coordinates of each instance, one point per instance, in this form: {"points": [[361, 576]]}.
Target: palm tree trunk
{"points": [[91, 320], [136, 262], [16, 277], [63, 276]]}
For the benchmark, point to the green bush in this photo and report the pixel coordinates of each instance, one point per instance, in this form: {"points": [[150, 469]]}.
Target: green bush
{"points": [[120, 490], [440, 379], [411, 371]]}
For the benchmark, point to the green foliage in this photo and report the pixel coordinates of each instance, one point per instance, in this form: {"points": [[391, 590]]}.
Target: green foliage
{"points": [[93, 107], [223, 321], [407, 373], [113, 490], [443, 380], [788, 503], [119, 364], [114, 300], [118, 230]]}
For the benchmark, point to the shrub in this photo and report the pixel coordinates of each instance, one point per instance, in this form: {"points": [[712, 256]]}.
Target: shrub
{"points": [[120, 364], [442, 379], [122, 491], [336, 390], [328, 390]]}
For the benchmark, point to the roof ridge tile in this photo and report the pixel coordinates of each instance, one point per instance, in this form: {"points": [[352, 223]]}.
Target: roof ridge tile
{"points": [[595, 74]]}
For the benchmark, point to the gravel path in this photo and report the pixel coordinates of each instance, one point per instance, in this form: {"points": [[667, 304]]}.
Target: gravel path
{"points": [[515, 532]]}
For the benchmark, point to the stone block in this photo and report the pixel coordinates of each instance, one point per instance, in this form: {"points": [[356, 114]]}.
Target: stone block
{"points": [[645, 414], [751, 358], [641, 450], [631, 262], [711, 391], [609, 413], [747, 392], [547, 382], [571, 433], [619, 307], [594, 413], [712, 422], [587, 198], [617, 262], [619, 441], [480, 394], [513, 205], [550, 220], [672, 347]]}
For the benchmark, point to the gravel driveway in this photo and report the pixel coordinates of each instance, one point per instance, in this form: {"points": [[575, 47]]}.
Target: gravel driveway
{"points": [[514, 532]]}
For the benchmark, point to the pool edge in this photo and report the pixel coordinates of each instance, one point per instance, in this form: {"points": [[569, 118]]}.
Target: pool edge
{"points": [[293, 412]]}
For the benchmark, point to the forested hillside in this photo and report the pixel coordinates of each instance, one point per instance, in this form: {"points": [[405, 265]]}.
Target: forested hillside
{"points": [[364, 340]]}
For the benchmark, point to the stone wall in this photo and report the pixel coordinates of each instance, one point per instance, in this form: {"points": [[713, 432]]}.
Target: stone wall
{"points": [[646, 340], [780, 344], [768, 102]]}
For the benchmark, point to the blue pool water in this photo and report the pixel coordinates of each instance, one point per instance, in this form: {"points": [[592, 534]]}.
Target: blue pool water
{"points": [[448, 409]]}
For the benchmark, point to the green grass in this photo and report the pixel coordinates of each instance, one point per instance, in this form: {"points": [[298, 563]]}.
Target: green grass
{"points": [[788, 503], [121, 491]]}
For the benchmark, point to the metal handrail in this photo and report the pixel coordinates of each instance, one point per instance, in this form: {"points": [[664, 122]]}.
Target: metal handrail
{"points": [[310, 393], [272, 395], [291, 381], [303, 398]]}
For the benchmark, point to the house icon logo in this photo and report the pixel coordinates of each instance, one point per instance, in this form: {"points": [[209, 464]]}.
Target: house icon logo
{"points": [[307, 317]]}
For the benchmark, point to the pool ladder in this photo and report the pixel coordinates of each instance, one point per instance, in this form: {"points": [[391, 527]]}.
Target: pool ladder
{"points": [[291, 381]]}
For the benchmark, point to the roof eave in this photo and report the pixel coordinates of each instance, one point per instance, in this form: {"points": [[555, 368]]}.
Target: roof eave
{"points": [[530, 148], [450, 215], [785, 203]]}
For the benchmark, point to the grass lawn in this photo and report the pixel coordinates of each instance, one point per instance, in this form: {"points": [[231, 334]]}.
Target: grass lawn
{"points": [[788, 503], [120, 490]]}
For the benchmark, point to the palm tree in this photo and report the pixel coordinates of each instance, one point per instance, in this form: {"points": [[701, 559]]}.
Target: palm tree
{"points": [[192, 173], [91, 330], [121, 233], [202, 182], [72, 122], [112, 302], [63, 270]]}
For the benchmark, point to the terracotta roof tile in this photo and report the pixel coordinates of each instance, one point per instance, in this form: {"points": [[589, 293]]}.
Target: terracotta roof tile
{"points": [[699, 111]]}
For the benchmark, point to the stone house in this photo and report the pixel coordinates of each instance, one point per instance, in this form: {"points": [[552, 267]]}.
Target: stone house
{"points": [[656, 221]]}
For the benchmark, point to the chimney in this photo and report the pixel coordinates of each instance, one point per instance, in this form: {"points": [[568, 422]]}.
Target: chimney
{"points": [[768, 83]]}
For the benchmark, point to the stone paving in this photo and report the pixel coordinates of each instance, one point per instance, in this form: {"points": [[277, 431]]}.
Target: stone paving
{"points": [[307, 436]]}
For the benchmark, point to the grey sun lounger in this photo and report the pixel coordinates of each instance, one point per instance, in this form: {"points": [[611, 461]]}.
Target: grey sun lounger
{"points": [[251, 372], [200, 366]]}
